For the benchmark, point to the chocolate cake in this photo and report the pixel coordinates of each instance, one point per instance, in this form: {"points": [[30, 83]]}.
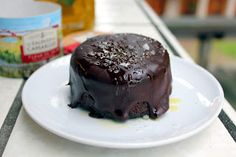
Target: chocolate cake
{"points": [[120, 76]]}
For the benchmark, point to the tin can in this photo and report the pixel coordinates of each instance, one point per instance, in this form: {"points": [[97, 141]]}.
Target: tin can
{"points": [[30, 36]]}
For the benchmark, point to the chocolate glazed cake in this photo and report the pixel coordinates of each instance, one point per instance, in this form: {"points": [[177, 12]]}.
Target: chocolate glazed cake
{"points": [[120, 76]]}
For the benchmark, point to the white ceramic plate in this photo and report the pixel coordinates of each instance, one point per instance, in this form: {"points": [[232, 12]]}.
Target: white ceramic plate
{"points": [[196, 100]]}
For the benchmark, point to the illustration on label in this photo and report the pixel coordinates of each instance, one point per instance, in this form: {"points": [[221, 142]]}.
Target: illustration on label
{"points": [[32, 46]]}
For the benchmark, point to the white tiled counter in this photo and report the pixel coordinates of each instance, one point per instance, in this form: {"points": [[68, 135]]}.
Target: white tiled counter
{"points": [[8, 91], [28, 139]]}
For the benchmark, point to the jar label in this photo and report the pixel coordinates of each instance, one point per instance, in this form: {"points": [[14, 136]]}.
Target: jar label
{"points": [[40, 45]]}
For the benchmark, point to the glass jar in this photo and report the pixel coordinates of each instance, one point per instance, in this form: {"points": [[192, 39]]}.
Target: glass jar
{"points": [[76, 15], [29, 37]]}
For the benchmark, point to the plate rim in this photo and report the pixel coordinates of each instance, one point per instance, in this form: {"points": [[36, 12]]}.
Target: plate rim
{"points": [[120, 145]]}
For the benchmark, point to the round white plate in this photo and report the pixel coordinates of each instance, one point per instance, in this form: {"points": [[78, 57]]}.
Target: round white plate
{"points": [[196, 100]]}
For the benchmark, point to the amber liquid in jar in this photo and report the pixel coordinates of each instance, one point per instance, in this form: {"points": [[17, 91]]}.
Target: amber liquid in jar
{"points": [[76, 15]]}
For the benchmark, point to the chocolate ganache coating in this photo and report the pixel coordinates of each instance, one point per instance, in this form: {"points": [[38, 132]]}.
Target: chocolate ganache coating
{"points": [[120, 76]]}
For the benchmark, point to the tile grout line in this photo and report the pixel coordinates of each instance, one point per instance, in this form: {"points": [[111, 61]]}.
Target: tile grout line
{"points": [[227, 122], [10, 120], [229, 125]]}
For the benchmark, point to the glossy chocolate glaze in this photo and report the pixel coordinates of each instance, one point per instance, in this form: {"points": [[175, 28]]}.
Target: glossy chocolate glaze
{"points": [[121, 76]]}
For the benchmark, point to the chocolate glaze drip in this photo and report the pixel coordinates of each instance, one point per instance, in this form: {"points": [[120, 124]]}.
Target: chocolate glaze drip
{"points": [[120, 76]]}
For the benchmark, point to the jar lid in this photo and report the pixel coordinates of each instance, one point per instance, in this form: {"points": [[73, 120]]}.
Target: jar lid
{"points": [[28, 15]]}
